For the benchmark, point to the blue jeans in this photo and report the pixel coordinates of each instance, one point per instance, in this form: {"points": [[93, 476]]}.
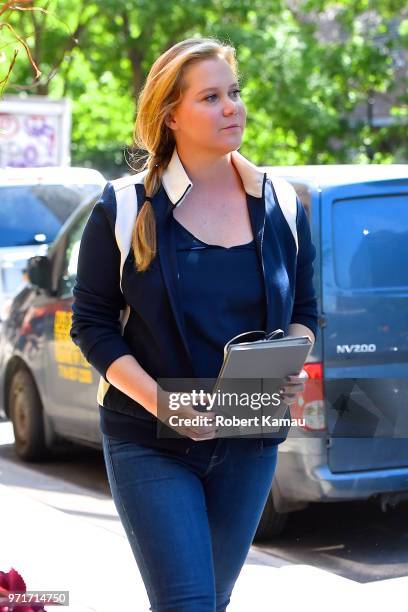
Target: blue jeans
{"points": [[190, 516]]}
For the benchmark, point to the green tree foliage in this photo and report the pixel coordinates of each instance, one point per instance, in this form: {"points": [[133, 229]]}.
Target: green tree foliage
{"points": [[305, 67]]}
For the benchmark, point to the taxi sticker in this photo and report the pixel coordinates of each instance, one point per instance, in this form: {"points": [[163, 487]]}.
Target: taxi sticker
{"points": [[72, 365]]}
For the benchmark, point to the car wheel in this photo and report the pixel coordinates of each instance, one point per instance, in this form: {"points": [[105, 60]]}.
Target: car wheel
{"points": [[272, 523], [26, 414]]}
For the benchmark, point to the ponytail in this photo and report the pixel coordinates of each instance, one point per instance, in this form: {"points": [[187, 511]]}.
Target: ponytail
{"points": [[144, 240]]}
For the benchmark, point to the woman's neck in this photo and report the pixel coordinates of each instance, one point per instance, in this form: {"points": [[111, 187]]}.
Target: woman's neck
{"points": [[206, 171]]}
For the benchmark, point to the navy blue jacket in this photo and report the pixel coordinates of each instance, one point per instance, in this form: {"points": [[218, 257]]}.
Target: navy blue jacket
{"points": [[119, 311]]}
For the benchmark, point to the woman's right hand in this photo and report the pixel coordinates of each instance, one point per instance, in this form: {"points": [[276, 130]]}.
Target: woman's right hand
{"points": [[203, 429]]}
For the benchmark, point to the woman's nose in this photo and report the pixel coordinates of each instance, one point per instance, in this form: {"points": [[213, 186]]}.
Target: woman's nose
{"points": [[230, 107]]}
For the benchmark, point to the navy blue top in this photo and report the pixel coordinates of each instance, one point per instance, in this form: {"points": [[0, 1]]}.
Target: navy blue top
{"points": [[222, 293]]}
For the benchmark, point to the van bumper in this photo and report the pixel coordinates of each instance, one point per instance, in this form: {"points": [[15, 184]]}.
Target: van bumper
{"points": [[305, 477], [360, 485]]}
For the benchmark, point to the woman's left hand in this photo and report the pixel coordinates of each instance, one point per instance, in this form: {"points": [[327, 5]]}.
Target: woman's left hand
{"points": [[292, 386]]}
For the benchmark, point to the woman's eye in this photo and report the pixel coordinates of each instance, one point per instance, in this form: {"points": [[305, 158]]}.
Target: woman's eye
{"points": [[212, 97]]}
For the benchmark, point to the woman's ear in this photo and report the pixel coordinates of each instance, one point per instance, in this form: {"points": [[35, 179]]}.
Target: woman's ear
{"points": [[171, 122]]}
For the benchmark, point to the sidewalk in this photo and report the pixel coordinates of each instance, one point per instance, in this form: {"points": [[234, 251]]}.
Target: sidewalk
{"points": [[63, 537]]}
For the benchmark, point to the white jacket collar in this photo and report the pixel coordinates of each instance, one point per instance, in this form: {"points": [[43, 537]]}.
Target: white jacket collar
{"points": [[177, 183]]}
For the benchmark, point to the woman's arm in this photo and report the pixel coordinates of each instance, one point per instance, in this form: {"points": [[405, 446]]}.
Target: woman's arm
{"points": [[127, 375], [297, 329], [304, 314], [98, 301]]}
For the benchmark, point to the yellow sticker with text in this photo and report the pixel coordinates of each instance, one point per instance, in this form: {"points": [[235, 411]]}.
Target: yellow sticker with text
{"points": [[72, 365]]}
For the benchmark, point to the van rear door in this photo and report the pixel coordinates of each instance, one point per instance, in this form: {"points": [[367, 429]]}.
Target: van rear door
{"points": [[365, 337]]}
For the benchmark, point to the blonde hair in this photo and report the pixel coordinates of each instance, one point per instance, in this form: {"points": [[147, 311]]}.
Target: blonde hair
{"points": [[160, 95]]}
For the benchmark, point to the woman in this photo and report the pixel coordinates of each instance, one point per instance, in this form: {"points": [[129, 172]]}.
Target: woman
{"points": [[174, 262]]}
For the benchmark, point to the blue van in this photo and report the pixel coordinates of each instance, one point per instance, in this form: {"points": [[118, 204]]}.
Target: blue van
{"points": [[355, 441], [354, 444]]}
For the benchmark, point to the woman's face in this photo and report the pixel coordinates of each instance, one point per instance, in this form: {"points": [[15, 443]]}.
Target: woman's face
{"points": [[211, 114]]}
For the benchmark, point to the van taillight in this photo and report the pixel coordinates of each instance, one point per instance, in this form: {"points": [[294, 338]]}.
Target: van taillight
{"points": [[310, 404], [314, 370]]}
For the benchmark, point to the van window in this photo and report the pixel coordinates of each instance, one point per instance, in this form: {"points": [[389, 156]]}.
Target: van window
{"points": [[371, 242], [33, 214], [68, 277]]}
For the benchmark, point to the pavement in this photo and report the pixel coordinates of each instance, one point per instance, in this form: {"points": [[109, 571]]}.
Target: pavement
{"points": [[61, 536]]}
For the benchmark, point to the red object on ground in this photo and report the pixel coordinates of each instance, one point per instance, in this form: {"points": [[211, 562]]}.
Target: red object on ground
{"points": [[11, 582]]}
